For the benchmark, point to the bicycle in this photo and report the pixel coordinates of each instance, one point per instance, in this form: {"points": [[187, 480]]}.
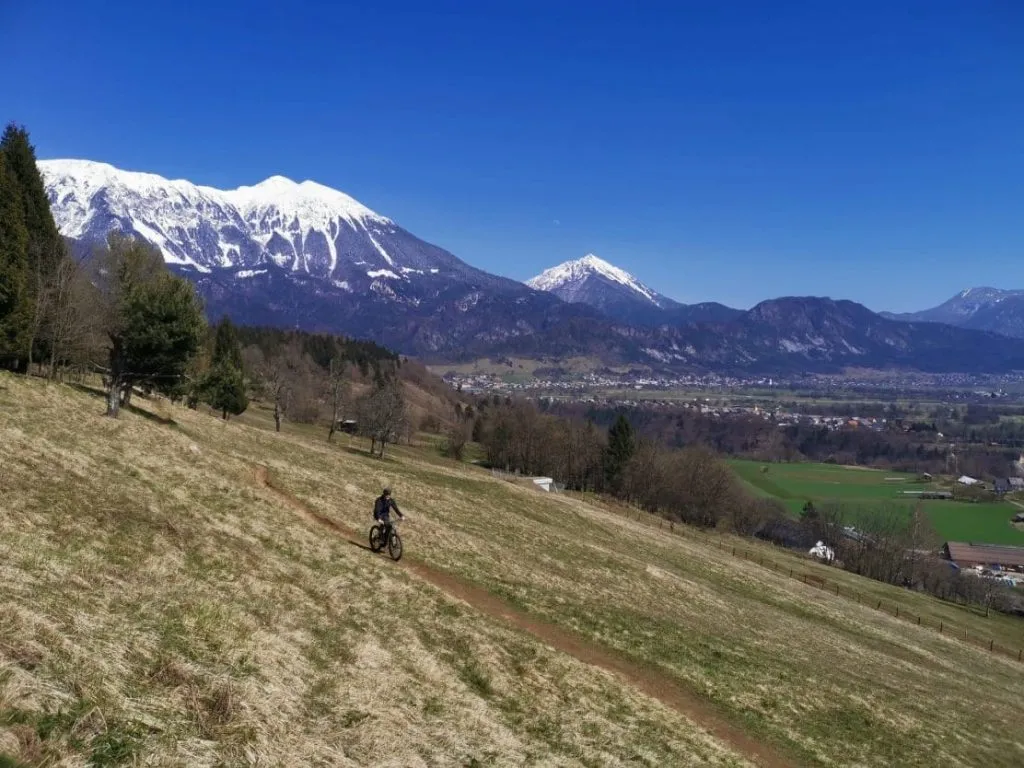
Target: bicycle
{"points": [[394, 544]]}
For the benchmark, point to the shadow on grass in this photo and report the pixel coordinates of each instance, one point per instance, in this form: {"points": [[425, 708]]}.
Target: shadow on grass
{"points": [[132, 409], [365, 547], [365, 454]]}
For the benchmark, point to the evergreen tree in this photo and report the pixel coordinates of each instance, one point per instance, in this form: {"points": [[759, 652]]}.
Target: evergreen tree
{"points": [[152, 319], [13, 267], [45, 247], [224, 390], [224, 385], [226, 348], [621, 447]]}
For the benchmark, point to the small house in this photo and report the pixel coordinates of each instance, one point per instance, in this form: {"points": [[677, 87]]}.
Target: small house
{"points": [[1016, 483], [967, 480], [348, 426], [544, 483], [823, 552], [1002, 485]]}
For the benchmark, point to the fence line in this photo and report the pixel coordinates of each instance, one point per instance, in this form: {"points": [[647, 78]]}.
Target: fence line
{"points": [[890, 607]]}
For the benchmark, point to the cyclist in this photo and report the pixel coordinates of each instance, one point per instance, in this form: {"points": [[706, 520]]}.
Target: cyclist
{"points": [[382, 507]]}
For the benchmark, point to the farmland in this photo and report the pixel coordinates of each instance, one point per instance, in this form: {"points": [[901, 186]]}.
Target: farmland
{"points": [[796, 484]]}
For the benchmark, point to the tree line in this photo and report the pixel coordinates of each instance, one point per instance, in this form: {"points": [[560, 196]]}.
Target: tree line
{"points": [[750, 436]]}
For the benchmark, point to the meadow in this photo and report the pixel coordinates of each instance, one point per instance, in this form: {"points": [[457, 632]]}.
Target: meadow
{"points": [[160, 605], [797, 483]]}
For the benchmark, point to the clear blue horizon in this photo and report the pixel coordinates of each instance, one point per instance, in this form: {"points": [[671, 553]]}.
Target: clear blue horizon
{"points": [[727, 152]]}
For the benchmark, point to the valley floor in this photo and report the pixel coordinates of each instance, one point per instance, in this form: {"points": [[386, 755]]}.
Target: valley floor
{"points": [[179, 590]]}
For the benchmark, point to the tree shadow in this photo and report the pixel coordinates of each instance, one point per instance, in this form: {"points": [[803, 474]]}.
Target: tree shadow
{"points": [[130, 408], [362, 452]]}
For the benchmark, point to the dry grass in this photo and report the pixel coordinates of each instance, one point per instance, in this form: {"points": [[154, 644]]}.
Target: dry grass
{"points": [[833, 682], [158, 608]]}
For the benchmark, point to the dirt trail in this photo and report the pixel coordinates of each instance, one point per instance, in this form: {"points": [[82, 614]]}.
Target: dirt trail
{"points": [[648, 680]]}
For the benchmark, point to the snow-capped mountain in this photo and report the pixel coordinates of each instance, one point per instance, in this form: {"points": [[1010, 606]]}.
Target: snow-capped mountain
{"points": [[289, 254], [591, 280], [596, 283], [985, 309], [301, 255], [304, 228], [616, 293]]}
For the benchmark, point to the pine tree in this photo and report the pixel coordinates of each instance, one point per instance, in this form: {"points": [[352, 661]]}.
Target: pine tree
{"points": [[13, 267], [621, 447], [152, 319], [226, 348], [224, 390], [224, 385], [45, 247]]}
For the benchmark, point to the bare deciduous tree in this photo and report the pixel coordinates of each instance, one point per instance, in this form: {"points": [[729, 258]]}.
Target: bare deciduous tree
{"points": [[285, 378], [71, 327], [382, 414], [339, 390], [455, 443]]}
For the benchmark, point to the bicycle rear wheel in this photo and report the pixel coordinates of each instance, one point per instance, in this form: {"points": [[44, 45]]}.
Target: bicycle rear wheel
{"points": [[395, 546]]}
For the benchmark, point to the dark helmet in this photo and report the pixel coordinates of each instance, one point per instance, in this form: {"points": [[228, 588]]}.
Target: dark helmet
{"points": [[387, 492]]}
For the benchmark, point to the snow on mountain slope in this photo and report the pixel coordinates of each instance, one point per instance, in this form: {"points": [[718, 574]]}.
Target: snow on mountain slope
{"points": [[572, 273], [306, 228], [985, 309], [596, 283]]}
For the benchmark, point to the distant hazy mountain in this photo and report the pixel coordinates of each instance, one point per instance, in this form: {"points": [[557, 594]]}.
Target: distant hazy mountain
{"points": [[984, 309], [303, 255], [810, 333]]}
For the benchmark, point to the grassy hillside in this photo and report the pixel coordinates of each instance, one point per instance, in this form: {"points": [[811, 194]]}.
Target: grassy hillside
{"points": [[796, 484], [159, 605]]}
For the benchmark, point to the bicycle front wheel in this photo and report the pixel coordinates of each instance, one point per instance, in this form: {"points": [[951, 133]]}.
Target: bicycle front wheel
{"points": [[376, 539]]}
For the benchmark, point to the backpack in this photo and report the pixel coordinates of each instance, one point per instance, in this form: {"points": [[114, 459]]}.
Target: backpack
{"points": [[380, 506]]}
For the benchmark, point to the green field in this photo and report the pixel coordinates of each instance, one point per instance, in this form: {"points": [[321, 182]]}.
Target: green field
{"points": [[796, 484]]}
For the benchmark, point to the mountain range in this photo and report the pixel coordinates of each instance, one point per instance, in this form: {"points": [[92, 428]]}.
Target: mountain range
{"points": [[984, 309], [291, 254]]}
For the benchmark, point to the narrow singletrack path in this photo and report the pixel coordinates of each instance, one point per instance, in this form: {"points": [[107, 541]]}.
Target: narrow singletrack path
{"points": [[648, 680]]}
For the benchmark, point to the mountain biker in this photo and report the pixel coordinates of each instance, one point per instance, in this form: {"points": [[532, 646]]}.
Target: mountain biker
{"points": [[382, 507]]}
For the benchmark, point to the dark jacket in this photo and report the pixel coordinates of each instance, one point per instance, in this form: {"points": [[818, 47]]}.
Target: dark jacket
{"points": [[382, 508]]}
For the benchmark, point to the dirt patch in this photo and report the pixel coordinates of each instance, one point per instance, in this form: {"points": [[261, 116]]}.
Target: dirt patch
{"points": [[650, 681]]}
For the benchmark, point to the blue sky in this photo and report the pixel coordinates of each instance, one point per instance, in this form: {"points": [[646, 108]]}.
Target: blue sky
{"points": [[729, 151]]}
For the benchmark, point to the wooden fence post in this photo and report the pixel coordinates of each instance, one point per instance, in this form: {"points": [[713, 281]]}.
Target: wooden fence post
{"points": [[991, 644], [897, 610], [940, 627], [919, 621], [1020, 655], [837, 590], [879, 606]]}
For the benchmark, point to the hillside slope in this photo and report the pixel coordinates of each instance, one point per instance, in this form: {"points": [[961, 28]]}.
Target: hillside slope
{"points": [[160, 605]]}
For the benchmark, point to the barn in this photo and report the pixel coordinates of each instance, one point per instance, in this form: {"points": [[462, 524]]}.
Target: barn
{"points": [[967, 554]]}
